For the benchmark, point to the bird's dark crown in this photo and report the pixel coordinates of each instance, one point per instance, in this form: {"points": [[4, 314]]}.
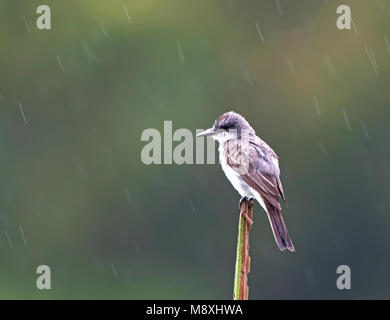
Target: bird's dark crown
{"points": [[231, 121]]}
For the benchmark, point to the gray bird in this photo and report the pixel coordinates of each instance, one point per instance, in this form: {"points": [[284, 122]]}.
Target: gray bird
{"points": [[253, 169]]}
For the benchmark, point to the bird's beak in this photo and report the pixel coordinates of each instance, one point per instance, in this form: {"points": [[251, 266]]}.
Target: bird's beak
{"points": [[208, 132]]}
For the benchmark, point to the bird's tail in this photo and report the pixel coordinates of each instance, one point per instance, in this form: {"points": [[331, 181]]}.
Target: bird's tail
{"points": [[279, 228]]}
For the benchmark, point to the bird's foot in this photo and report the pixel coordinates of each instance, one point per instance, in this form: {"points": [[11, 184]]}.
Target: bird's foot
{"points": [[247, 200], [243, 213], [241, 200]]}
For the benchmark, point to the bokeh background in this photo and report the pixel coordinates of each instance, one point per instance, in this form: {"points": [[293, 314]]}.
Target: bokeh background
{"points": [[75, 195]]}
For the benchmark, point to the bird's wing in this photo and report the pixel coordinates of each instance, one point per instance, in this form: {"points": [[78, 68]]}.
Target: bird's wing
{"points": [[247, 164], [252, 167]]}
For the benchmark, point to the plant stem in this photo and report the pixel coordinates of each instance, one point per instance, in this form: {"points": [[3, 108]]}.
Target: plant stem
{"points": [[241, 289]]}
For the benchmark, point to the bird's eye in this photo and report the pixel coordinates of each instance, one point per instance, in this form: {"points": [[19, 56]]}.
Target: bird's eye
{"points": [[226, 127]]}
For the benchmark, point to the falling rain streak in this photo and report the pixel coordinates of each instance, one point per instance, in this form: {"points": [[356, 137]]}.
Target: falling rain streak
{"points": [[104, 30], [248, 79], [89, 54], [330, 66], [114, 270], [354, 27], [180, 50], [259, 32], [23, 237], [279, 7], [371, 57], [22, 112], [322, 148], [291, 65], [128, 195], [387, 42], [346, 119], [193, 208], [27, 24], [60, 63], [9, 240], [126, 12]]}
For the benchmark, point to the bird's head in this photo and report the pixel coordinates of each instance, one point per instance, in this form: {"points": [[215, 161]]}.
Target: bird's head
{"points": [[228, 126]]}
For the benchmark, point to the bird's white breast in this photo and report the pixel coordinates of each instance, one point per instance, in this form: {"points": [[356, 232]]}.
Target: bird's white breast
{"points": [[238, 183], [236, 180]]}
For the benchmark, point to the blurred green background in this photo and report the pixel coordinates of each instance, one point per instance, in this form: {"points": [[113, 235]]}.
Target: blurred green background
{"points": [[72, 179]]}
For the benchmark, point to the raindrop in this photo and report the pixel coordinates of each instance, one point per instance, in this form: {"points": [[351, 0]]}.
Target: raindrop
{"points": [[27, 24], [279, 7], [180, 50], [387, 42], [104, 30], [127, 12], [248, 79], [193, 208], [60, 63], [114, 270], [329, 64], [346, 119], [371, 58], [259, 32], [322, 148], [128, 195], [89, 54], [291, 65], [21, 110], [9, 240], [353, 24], [23, 237]]}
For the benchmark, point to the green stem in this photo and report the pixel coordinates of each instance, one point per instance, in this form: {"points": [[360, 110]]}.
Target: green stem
{"points": [[240, 247]]}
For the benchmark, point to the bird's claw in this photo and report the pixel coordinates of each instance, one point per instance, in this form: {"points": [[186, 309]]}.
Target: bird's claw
{"points": [[241, 200], [247, 200], [244, 214]]}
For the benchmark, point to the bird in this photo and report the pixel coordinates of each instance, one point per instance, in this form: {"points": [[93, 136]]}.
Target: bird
{"points": [[252, 167]]}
